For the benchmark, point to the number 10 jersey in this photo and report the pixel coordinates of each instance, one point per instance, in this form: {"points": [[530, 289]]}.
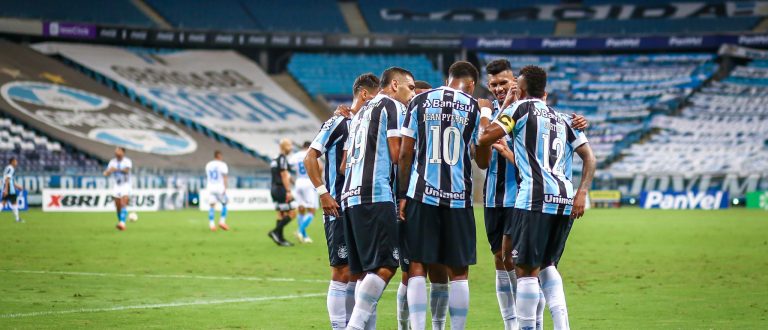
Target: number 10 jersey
{"points": [[444, 122]]}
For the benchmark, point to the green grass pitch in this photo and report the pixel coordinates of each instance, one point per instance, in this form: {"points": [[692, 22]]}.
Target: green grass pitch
{"points": [[623, 269]]}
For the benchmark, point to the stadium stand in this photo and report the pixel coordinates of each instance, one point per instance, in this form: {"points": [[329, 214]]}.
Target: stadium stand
{"points": [[332, 74], [373, 13], [724, 129], [666, 26], [618, 93], [111, 12], [283, 16], [39, 153]]}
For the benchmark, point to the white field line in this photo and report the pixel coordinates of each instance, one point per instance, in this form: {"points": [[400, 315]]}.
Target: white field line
{"points": [[165, 305], [170, 276]]}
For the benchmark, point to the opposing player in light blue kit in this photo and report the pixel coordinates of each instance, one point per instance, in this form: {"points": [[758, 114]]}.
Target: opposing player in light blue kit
{"points": [[216, 184], [304, 193], [119, 171]]}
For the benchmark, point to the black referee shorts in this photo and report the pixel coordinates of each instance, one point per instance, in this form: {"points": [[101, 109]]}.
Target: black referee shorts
{"points": [[279, 196], [441, 235], [372, 238], [538, 238]]}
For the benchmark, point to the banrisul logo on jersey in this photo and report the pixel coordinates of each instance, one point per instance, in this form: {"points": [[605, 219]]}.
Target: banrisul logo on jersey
{"points": [[97, 118]]}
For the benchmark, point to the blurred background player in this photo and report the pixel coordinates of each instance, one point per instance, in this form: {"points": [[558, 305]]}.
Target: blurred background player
{"points": [[422, 86], [443, 127], [11, 189], [281, 193], [330, 142], [546, 204], [304, 193], [119, 171], [216, 184], [368, 196]]}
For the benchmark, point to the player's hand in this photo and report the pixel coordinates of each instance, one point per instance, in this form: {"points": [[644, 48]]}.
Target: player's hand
{"points": [[343, 110], [288, 197], [503, 149], [512, 96], [330, 207], [401, 210], [485, 103], [579, 122], [579, 202]]}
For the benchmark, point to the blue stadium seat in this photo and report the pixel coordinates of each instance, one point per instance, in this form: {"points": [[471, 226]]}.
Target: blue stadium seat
{"points": [[333, 74], [111, 12]]}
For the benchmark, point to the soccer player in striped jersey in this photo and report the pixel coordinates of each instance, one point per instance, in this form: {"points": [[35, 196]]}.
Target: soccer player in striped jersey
{"points": [[330, 142], [442, 124], [499, 193], [11, 189], [545, 206], [370, 216]]}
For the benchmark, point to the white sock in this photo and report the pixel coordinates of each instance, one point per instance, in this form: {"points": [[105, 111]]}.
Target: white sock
{"points": [[222, 220], [458, 302], [402, 307], [540, 311], [15, 209], [552, 285], [350, 299], [513, 281], [371, 324], [417, 302], [526, 301], [506, 300], [368, 293], [438, 304], [337, 292]]}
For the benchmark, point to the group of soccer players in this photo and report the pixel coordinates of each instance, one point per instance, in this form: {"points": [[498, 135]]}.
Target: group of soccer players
{"points": [[396, 190]]}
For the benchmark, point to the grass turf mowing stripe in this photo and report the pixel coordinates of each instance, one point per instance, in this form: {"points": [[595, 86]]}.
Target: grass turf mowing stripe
{"points": [[165, 305]]}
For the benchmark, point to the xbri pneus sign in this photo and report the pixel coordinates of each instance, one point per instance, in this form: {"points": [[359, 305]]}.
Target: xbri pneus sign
{"points": [[101, 200]]}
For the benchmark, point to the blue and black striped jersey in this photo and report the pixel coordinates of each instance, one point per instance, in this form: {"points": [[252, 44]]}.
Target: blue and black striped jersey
{"points": [[500, 188], [370, 174], [330, 142], [544, 143], [8, 178], [444, 122]]}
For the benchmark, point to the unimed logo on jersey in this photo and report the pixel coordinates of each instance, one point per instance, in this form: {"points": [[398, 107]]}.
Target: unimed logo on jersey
{"points": [[711, 200], [97, 118]]}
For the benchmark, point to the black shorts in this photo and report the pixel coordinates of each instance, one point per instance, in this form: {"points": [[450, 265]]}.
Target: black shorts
{"points": [[371, 233], [10, 198], [538, 238], [337, 245], [405, 257], [497, 219], [279, 196], [441, 235]]}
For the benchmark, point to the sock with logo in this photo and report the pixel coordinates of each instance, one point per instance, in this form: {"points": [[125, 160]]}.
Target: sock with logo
{"points": [[458, 302], [223, 218], [368, 293], [506, 300], [417, 302], [350, 298], [337, 292], [211, 215], [526, 301], [402, 307], [540, 311], [438, 304], [552, 285]]}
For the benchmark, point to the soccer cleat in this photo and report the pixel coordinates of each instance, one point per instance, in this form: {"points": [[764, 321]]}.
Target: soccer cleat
{"points": [[286, 243], [299, 237], [307, 240], [274, 237], [120, 226], [212, 226], [20, 220], [223, 226]]}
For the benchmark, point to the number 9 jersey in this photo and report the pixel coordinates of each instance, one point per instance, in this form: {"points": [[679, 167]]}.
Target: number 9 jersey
{"points": [[444, 122], [544, 143]]}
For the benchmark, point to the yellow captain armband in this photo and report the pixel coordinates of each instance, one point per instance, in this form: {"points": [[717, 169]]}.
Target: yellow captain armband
{"points": [[506, 122]]}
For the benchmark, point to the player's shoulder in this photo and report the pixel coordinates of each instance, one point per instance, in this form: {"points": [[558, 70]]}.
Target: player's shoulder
{"points": [[333, 122]]}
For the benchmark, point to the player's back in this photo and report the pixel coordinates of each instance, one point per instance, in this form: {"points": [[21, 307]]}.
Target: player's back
{"points": [[544, 142], [296, 162], [369, 172], [444, 122], [215, 171]]}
